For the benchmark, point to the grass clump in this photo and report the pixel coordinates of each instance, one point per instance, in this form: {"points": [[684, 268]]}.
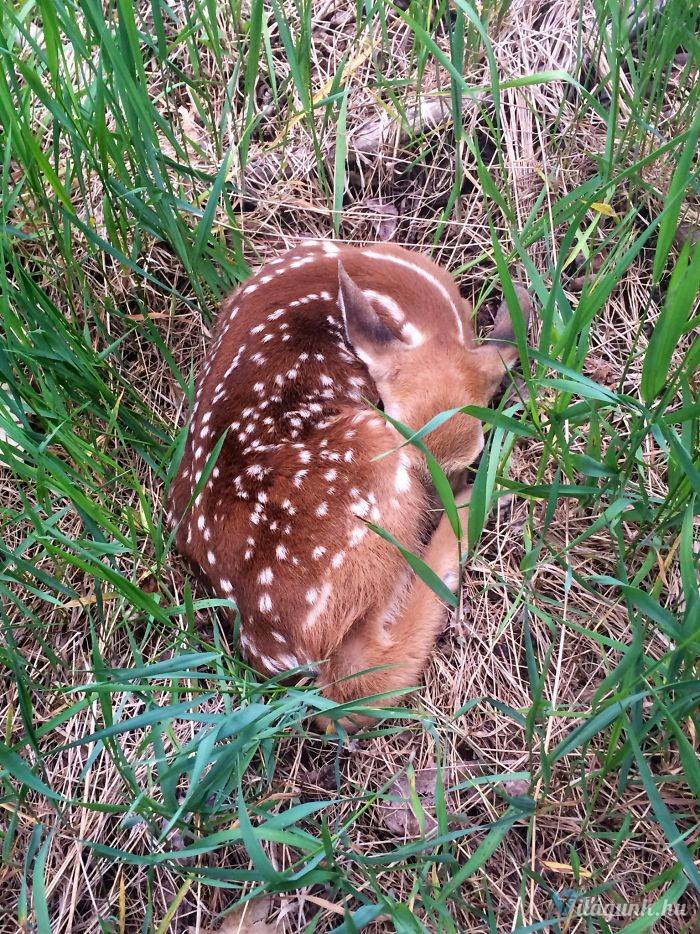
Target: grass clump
{"points": [[150, 154]]}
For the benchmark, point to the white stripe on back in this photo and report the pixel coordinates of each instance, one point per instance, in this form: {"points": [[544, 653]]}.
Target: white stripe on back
{"points": [[426, 275]]}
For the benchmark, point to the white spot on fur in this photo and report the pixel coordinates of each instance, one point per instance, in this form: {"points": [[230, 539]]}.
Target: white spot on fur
{"points": [[265, 603], [321, 600], [402, 479], [357, 534], [361, 507], [265, 576], [338, 559], [318, 552]]}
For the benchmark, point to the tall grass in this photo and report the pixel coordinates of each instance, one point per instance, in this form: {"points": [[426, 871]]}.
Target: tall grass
{"points": [[122, 222]]}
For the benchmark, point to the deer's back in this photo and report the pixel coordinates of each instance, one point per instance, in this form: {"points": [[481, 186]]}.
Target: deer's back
{"points": [[280, 522]]}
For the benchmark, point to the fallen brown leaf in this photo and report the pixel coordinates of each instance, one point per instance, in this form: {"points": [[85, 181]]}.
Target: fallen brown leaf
{"points": [[250, 918], [385, 218], [398, 815]]}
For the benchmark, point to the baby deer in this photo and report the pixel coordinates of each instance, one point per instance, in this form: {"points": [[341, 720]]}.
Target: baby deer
{"points": [[279, 525]]}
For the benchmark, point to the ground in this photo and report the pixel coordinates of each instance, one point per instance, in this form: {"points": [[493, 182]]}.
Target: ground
{"points": [[152, 155]]}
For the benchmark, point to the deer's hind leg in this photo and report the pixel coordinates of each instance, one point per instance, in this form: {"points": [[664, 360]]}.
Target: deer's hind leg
{"points": [[398, 641]]}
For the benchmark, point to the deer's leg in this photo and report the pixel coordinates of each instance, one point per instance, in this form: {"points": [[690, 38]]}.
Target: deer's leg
{"points": [[401, 639]]}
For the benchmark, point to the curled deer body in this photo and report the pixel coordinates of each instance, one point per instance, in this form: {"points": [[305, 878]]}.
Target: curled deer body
{"points": [[280, 525]]}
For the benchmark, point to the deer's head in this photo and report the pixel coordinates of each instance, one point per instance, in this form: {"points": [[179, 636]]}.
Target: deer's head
{"points": [[423, 365]]}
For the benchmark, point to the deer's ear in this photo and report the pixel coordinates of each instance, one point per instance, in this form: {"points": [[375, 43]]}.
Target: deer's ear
{"points": [[366, 331], [500, 345]]}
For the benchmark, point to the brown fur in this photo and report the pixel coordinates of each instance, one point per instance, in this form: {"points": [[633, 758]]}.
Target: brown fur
{"points": [[279, 525]]}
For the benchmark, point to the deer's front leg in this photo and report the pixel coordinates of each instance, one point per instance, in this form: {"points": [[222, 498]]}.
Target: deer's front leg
{"points": [[397, 642]]}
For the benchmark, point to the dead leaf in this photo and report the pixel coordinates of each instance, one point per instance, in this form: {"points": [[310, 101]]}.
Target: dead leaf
{"points": [[149, 584], [687, 232], [399, 815], [251, 918], [516, 787], [322, 777], [385, 218], [565, 868], [603, 208], [602, 372], [88, 600], [590, 266]]}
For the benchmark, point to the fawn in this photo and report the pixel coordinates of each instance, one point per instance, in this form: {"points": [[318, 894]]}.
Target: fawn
{"points": [[301, 348]]}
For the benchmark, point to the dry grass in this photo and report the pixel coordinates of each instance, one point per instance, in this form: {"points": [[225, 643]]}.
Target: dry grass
{"points": [[398, 189]]}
